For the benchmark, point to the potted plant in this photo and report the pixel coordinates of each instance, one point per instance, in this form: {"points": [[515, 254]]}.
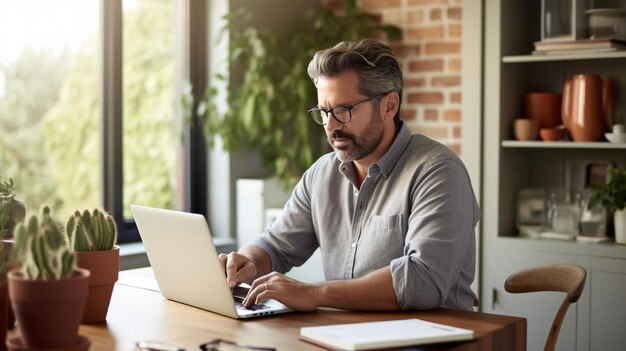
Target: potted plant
{"points": [[48, 293], [612, 196], [5, 323], [267, 110], [12, 211], [93, 236]]}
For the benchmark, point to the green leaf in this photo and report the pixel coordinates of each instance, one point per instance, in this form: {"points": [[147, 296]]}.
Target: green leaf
{"points": [[267, 110]]}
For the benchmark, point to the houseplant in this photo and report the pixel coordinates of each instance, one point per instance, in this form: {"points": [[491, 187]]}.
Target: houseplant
{"points": [[93, 236], [12, 211], [612, 196], [48, 293], [267, 110]]}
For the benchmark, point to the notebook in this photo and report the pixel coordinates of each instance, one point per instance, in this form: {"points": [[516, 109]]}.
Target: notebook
{"points": [[180, 249], [384, 334]]}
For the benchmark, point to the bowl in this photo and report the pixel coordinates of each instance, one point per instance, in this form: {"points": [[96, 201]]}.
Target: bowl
{"points": [[551, 134], [607, 23], [616, 138]]}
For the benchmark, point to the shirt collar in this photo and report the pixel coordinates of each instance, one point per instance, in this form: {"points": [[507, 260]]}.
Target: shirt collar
{"points": [[389, 159]]}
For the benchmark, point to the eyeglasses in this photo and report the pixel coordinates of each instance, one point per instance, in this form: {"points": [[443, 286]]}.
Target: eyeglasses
{"points": [[341, 114], [224, 345], [154, 345], [213, 345]]}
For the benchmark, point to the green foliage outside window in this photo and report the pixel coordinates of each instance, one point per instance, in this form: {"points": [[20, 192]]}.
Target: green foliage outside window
{"points": [[26, 98], [50, 119]]}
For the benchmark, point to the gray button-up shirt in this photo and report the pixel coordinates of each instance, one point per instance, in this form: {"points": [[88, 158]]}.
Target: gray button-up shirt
{"points": [[415, 212]]}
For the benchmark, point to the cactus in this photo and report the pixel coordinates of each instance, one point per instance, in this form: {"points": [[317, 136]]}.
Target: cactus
{"points": [[43, 249], [95, 231], [11, 211]]}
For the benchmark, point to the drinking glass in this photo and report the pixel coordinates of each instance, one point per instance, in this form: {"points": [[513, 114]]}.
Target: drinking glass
{"points": [[564, 210]]}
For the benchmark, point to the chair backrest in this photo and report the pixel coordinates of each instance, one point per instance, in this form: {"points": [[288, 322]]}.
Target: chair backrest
{"points": [[567, 278]]}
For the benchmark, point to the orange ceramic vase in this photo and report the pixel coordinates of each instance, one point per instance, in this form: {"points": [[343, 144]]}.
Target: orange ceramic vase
{"points": [[104, 267], [543, 107], [587, 107]]}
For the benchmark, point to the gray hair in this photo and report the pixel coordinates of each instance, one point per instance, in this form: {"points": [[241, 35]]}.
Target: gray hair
{"points": [[378, 70]]}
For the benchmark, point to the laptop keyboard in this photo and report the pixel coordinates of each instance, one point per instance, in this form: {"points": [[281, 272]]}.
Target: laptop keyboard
{"points": [[239, 300]]}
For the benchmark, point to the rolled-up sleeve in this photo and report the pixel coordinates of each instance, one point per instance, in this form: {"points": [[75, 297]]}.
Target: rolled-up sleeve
{"points": [[439, 250]]}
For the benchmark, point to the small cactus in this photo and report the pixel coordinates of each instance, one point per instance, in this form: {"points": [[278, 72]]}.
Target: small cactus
{"points": [[91, 231], [43, 249], [12, 211]]}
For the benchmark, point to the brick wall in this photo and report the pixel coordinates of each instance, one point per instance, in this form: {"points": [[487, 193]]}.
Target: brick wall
{"points": [[430, 57]]}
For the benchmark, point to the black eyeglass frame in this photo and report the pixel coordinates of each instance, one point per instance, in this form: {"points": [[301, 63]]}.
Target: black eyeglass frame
{"points": [[332, 110], [211, 345]]}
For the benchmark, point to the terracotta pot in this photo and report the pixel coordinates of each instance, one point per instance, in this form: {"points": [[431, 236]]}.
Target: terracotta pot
{"points": [[587, 107], [4, 312], [543, 107], [7, 244], [49, 311], [104, 267]]}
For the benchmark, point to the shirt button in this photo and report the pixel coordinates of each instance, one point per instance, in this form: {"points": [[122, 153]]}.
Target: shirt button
{"points": [[353, 245]]}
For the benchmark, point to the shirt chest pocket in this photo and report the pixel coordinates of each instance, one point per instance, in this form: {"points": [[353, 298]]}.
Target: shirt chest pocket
{"points": [[382, 240]]}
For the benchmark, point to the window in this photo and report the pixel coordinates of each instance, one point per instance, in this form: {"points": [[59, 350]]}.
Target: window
{"points": [[149, 133], [88, 94], [49, 122]]}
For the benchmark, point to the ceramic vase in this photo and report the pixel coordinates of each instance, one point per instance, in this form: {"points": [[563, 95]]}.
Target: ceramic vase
{"points": [[543, 107], [587, 107]]}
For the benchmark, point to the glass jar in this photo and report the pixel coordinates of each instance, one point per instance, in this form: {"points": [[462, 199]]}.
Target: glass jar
{"points": [[564, 210], [531, 211], [593, 218]]}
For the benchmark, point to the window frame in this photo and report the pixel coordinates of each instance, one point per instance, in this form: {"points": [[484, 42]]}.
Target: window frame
{"points": [[191, 66]]}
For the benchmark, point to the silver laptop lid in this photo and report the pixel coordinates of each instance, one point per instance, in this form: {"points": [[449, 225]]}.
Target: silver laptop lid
{"points": [[184, 260]]}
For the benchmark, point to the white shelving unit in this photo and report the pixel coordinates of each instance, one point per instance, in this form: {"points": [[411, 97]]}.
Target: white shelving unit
{"points": [[598, 320], [560, 58], [561, 145]]}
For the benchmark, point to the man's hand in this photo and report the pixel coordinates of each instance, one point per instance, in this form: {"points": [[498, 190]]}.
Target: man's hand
{"points": [[290, 292], [239, 268]]}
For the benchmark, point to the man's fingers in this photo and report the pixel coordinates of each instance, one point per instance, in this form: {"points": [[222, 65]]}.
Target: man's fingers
{"points": [[232, 266], [257, 287], [247, 270], [263, 296], [223, 258]]}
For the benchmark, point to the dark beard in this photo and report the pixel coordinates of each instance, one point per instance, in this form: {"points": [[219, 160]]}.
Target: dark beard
{"points": [[362, 147]]}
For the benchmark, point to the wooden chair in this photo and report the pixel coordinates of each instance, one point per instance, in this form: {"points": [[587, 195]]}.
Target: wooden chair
{"points": [[567, 278]]}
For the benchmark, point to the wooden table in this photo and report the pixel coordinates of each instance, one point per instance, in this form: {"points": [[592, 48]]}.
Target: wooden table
{"points": [[139, 314]]}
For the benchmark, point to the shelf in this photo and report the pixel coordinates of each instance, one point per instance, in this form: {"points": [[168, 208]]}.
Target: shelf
{"points": [[608, 250], [560, 145], [565, 57]]}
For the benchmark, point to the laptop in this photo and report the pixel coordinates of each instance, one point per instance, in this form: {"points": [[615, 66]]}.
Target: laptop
{"points": [[185, 264]]}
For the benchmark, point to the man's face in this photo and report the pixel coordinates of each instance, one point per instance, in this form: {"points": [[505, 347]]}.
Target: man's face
{"points": [[361, 136]]}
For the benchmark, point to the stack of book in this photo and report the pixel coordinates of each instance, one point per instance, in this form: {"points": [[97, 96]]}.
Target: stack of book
{"points": [[581, 46]]}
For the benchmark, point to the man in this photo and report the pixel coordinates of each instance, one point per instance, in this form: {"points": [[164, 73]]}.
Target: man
{"points": [[393, 213]]}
